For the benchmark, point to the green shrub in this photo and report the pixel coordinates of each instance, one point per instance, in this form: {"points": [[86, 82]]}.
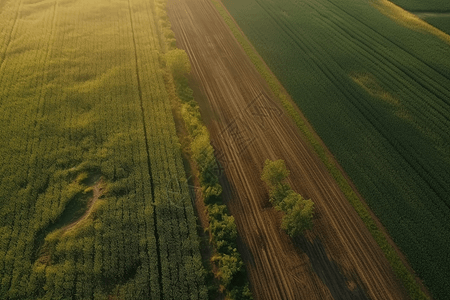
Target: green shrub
{"points": [[298, 211]]}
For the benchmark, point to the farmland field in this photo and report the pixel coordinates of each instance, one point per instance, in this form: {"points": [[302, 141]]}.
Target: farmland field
{"points": [[94, 197], [438, 20], [436, 12], [424, 5], [88, 156], [378, 93]]}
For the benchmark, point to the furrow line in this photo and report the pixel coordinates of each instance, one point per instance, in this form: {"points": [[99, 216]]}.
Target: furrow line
{"points": [[146, 148], [8, 43]]}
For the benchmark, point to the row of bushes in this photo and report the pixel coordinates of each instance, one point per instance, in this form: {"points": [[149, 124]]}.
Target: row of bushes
{"points": [[222, 227]]}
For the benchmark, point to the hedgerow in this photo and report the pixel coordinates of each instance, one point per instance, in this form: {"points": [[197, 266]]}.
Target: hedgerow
{"points": [[222, 227]]}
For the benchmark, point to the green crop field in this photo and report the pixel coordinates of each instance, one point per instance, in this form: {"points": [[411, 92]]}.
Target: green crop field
{"points": [[375, 85], [435, 12], [90, 164], [424, 5], [440, 21]]}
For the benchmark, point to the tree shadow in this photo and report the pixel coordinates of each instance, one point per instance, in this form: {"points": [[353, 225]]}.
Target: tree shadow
{"points": [[329, 272]]}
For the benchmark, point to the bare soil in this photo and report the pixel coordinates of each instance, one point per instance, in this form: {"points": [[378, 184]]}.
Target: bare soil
{"points": [[338, 259]]}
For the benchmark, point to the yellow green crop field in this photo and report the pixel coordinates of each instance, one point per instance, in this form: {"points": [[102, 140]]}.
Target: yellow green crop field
{"points": [[88, 150]]}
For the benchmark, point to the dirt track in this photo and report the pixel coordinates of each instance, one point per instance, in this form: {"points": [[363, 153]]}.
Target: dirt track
{"points": [[97, 189], [338, 259]]}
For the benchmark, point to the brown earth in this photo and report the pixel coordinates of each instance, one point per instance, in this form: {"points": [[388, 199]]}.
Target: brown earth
{"points": [[338, 259]]}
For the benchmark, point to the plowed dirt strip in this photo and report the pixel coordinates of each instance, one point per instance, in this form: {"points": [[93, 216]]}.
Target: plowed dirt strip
{"points": [[339, 259]]}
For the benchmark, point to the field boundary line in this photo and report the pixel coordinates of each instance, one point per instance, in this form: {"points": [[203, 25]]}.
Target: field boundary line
{"points": [[390, 250]]}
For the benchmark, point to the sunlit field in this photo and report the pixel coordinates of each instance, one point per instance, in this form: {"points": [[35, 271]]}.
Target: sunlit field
{"points": [[287, 149], [88, 152]]}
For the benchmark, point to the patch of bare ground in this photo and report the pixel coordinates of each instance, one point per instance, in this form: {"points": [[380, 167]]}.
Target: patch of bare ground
{"points": [[338, 259], [98, 189], [77, 210]]}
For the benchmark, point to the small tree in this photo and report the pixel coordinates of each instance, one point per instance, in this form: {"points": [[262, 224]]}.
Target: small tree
{"points": [[298, 218], [274, 172], [178, 63], [223, 229], [298, 211], [274, 175], [291, 199], [278, 194], [229, 266]]}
